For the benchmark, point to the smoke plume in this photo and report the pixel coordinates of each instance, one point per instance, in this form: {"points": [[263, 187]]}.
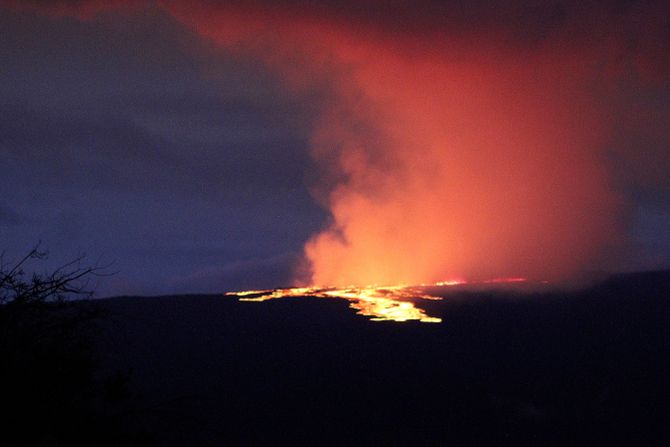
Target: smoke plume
{"points": [[454, 142]]}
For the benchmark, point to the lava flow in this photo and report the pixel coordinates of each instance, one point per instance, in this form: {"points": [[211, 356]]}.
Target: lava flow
{"points": [[380, 303]]}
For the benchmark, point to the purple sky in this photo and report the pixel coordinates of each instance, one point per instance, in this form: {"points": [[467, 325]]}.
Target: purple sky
{"points": [[137, 144]]}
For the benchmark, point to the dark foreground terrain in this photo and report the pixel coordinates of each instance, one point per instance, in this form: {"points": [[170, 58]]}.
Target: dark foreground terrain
{"points": [[580, 368]]}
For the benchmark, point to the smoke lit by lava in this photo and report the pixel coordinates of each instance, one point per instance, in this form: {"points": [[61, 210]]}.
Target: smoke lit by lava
{"points": [[448, 142]]}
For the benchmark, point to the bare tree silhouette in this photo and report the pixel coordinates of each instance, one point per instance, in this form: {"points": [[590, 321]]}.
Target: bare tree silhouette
{"points": [[47, 353], [67, 281]]}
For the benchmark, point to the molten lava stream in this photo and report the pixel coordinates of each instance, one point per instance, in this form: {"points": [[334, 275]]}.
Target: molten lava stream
{"points": [[380, 303]]}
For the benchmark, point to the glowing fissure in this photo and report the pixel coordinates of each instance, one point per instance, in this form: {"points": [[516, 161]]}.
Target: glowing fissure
{"points": [[380, 303]]}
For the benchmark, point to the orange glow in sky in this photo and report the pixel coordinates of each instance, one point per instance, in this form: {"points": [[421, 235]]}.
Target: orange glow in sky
{"points": [[439, 155], [442, 148]]}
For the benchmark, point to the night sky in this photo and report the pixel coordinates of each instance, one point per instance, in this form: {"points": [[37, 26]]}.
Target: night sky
{"points": [[134, 142], [129, 132]]}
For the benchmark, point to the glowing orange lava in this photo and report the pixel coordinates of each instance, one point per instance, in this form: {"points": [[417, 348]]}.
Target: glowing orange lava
{"points": [[380, 303]]}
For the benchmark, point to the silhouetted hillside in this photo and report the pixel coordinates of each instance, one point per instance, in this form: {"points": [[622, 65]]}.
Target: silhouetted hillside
{"points": [[588, 367]]}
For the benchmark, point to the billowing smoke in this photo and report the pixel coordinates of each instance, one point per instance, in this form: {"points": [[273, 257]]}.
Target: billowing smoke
{"points": [[456, 143]]}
